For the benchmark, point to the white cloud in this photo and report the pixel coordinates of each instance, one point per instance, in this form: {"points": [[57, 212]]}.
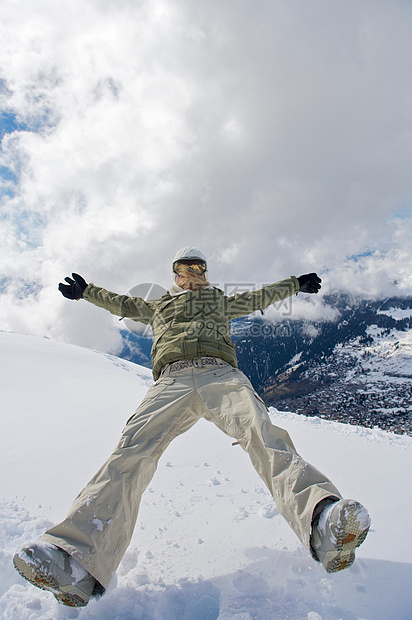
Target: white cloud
{"points": [[302, 307], [275, 136]]}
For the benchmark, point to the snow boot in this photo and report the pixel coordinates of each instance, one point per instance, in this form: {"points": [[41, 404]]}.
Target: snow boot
{"points": [[50, 568], [339, 529]]}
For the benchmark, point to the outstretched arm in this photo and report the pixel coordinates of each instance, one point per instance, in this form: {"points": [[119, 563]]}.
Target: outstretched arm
{"points": [[120, 305], [245, 303]]}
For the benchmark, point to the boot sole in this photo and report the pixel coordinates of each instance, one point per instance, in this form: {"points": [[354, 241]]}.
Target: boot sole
{"points": [[353, 527], [47, 582]]}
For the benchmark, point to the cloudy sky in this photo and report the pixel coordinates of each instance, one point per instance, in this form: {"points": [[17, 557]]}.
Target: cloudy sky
{"points": [[275, 135]]}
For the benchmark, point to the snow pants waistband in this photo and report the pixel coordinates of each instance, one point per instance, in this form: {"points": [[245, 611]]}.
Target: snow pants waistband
{"points": [[200, 362]]}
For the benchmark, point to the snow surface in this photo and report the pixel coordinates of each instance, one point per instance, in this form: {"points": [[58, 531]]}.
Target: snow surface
{"points": [[387, 359], [397, 313], [209, 542]]}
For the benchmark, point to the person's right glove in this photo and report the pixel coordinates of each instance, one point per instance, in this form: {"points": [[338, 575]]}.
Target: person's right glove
{"points": [[75, 288], [309, 283]]}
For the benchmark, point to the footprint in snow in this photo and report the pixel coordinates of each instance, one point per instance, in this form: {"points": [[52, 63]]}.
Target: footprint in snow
{"points": [[269, 511], [241, 514]]}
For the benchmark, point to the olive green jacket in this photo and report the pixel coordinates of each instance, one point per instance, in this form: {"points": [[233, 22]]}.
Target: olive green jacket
{"points": [[193, 324]]}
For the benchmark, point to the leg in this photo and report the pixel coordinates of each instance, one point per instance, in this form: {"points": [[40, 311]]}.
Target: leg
{"points": [[296, 486], [101, 521]]}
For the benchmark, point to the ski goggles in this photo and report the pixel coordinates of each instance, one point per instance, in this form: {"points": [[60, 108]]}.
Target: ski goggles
{"points": [[196, 265]]}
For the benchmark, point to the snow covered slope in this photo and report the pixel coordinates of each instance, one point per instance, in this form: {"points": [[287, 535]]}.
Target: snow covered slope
{"points": [[209, 542]]}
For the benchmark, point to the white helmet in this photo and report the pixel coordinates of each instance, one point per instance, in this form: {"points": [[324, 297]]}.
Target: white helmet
{"points": [[189, 254]]}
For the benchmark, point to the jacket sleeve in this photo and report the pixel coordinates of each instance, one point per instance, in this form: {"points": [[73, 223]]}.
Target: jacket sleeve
{"points": [[242, 304], [121, 305]]}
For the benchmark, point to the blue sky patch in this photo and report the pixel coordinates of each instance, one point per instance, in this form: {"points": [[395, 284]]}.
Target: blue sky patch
{"points": [[21, 288], [357, 257], [404, 211], [7, 174], [9, 123]]}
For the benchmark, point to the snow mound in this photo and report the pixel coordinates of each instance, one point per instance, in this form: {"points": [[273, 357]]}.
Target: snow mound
{"points": [[209, 543]]}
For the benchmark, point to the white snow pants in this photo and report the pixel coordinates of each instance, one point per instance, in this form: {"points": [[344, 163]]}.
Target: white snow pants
{"points": [[100, 524]]}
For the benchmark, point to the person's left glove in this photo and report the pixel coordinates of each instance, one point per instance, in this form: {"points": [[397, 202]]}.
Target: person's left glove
{"points": [[75, 287], [309, 283]]}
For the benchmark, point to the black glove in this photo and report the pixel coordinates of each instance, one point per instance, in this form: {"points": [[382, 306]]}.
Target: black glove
{"points": [[309, 283], [75, 288]]}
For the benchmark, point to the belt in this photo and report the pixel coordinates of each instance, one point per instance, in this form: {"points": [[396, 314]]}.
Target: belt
{"points": [[200, 362]]}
